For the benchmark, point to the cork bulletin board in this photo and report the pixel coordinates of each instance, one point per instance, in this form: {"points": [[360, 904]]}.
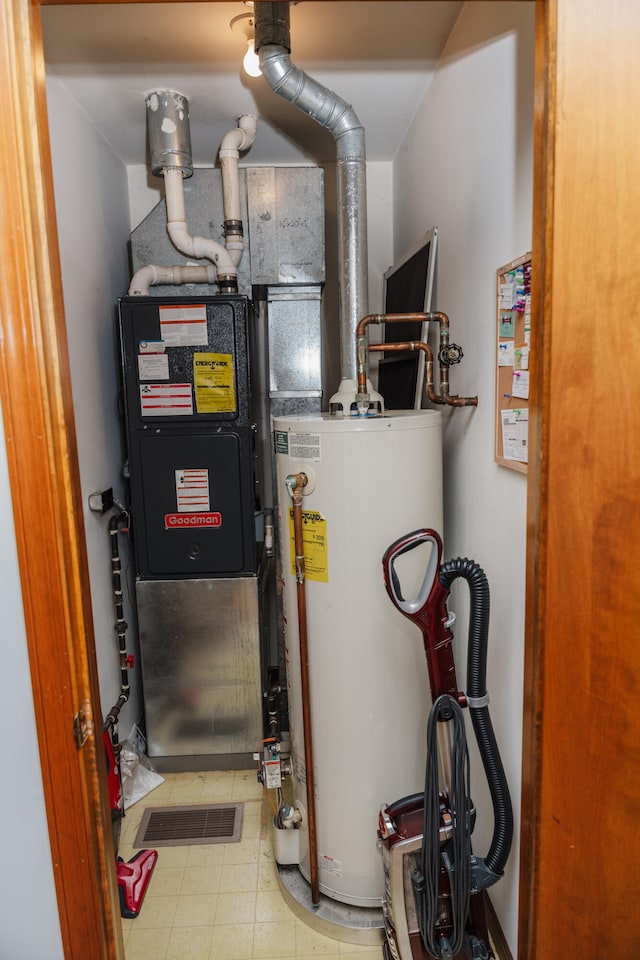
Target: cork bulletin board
{"points": [[513, 341]]}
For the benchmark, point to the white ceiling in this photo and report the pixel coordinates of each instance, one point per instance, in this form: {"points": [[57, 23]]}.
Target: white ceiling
{"points": [[377, 56]]}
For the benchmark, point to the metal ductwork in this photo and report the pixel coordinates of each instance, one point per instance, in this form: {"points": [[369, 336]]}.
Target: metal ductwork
{"points": [[337, 116]]}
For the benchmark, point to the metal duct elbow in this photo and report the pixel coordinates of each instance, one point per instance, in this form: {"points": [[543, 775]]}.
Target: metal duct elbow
{"points": [[337, 116]]}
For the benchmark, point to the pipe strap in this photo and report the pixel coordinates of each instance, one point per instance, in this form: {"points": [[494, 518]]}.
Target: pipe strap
{"points": [[476, 703]]}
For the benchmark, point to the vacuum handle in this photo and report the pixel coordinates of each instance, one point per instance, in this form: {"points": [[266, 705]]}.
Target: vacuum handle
{"points": [[412, 608], [428, 611]]}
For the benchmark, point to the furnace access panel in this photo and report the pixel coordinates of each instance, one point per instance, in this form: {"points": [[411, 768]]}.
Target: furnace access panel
{"points": [[185, 365]]}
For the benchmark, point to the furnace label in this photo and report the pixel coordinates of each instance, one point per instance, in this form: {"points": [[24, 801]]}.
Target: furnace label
{"points": [[314, 537], [213, 381], [184, 326], [192, 491], [153, 366], [166, 400]]}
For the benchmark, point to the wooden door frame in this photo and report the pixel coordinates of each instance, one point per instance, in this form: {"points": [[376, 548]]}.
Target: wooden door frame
{"points": [[582, 669], [41, 450], [40, 439]]}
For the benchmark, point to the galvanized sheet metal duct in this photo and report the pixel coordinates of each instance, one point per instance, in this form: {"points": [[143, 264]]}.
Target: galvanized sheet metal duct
{"points": [[337, 116]]}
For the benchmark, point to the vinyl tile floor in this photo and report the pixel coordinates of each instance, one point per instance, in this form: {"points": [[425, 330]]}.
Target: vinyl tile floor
{"points": [[220, 901]]}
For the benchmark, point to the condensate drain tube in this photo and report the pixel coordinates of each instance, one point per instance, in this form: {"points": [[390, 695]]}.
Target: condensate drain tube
{"points": [[295, 484]]}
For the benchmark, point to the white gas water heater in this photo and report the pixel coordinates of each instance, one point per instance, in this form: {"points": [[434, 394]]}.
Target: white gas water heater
{"points": [[367, 479], [349, 482]]}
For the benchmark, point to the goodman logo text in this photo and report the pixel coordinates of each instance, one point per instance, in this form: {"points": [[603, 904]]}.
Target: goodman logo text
{"points": [[182, 521]]}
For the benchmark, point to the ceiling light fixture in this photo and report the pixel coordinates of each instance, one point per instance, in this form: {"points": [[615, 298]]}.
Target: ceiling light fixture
{"points": [[244, 26]]}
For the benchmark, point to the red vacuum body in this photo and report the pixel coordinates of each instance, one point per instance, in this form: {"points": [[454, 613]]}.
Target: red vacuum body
{"points": [[133, 877], [434, 900], [133, 880], [400, 833]]}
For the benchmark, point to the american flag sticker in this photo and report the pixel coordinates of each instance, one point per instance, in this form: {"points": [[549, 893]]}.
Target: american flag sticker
{"points": [[192, 491]]}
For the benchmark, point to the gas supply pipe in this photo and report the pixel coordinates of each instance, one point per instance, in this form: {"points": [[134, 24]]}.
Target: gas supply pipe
{"points": [[448, 354], [295, 483]]}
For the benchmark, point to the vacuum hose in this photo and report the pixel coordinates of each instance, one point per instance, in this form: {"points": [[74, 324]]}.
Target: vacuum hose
{"points": [[487, 871]]}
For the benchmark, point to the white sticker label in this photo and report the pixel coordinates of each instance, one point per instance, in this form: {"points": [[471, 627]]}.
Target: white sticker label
{"points": [[166, 400], [153, 366], [273, 774], [184, 326], [151, 346], [192, 491], [304, 446]]}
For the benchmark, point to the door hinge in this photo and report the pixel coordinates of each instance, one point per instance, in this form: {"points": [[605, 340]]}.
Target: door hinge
{"points": [[83, 724]]}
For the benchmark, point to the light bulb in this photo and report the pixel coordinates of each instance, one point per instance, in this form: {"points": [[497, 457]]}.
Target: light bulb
{"points": [[251, 62]]}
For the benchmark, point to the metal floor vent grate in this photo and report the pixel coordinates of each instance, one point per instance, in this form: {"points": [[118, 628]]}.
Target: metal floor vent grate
{"points": [[192, 824]]}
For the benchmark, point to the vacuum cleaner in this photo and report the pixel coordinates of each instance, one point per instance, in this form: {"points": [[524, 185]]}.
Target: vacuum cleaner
{"points": [[434, 884]]}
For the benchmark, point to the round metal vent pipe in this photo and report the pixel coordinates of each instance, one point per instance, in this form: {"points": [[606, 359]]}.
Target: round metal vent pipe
{"points": [[336, 115], [169, 132]]}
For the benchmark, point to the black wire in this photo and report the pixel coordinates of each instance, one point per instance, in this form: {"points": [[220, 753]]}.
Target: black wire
{"points": [[454, 855]]}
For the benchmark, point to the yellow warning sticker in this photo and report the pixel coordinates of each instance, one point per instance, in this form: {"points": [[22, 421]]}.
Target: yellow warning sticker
{"points": [[213, 381], [314, 538]]}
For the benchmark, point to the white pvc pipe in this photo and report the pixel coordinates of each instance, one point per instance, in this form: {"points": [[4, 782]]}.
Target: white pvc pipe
{"points": [[152, 275], [225, 259], [197, 247], [237, 139]]}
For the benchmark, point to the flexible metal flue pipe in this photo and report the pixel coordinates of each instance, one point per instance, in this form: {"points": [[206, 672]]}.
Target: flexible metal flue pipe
{"points": [[295, 484], [336, 115]]}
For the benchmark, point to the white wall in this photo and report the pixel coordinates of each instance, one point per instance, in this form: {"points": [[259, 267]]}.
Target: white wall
{"points": [[29, 926], [93, 227], [466, 166]]}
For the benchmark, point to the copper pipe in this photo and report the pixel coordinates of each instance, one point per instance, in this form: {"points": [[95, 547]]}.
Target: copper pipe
{"points": [[295, 484], [444, 398], [395, 318], [361, 339], [413, 345], [362, 346]]}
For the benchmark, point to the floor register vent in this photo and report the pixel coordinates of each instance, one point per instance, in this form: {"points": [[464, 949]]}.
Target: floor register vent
{"points": [[191, 824]]}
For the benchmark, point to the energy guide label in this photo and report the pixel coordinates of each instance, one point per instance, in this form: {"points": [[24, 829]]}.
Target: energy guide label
{"points": [[314, 538], [213, 382], [304, 446]]}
